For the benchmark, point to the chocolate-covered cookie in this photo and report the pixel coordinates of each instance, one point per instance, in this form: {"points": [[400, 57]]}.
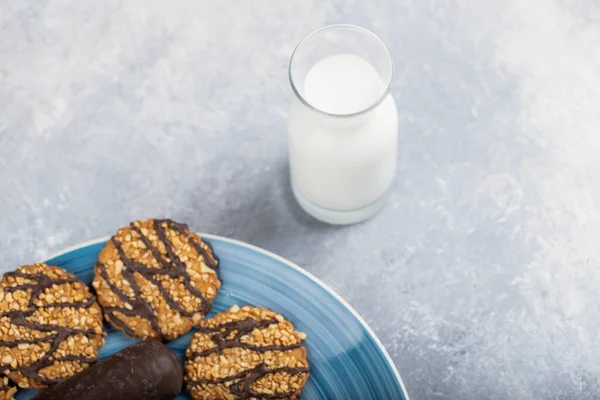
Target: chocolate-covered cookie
{"points": [[50, 325], [246, 353], [156, 279], [145, 371]]}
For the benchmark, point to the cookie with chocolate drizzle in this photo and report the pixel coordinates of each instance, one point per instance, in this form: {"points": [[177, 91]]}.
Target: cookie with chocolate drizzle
{"points": [[246, 353], [50, 325], [156, 279]]}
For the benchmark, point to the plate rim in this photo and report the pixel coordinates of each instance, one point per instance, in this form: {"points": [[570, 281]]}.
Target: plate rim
{"points": [[285, 261]]}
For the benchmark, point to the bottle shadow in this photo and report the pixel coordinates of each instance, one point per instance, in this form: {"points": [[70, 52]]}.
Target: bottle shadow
{"points": [[266, 215]]}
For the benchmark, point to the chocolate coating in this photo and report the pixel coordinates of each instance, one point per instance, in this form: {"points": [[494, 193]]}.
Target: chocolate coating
{"points": [[144, 371]]}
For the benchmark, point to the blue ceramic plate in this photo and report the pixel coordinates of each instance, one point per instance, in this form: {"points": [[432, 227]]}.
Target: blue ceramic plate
{"points": [[346, 358]]}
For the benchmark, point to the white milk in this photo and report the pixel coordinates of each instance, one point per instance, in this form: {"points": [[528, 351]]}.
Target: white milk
{"points": [[342, 163]]}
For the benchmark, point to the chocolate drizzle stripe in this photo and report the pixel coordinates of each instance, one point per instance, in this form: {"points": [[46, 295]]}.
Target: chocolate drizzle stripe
{"points": [[236, 325], [171, 267], [35, 277], [86, 304], [58, 333], [49, 361], [184, 230], [47, 328], [262, 367], [118, 322], [70, 357], [17, 342], [258, 349]]}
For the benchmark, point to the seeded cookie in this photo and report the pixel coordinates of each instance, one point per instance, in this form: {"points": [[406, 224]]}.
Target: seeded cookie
{"points": [[50, 325], [156, 279], [7, 389], [246, 353]]}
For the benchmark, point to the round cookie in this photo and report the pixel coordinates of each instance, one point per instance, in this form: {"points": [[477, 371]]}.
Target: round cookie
{"points": [[7, 389], [156, 279], [246, 353], [50, 325]]}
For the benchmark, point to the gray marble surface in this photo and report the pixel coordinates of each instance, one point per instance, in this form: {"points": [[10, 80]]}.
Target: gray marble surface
{"points": [[480, 277]]}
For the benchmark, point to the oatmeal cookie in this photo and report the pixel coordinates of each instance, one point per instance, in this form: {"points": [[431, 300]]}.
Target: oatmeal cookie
{"points": [[156, 279], [246, 353], [50, 325]]}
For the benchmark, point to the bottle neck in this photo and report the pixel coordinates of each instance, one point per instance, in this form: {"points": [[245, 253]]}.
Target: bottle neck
{"points": [[335, 121]]}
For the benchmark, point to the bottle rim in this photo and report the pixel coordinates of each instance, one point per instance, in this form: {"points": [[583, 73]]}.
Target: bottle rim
{"points": [[385, 93]]}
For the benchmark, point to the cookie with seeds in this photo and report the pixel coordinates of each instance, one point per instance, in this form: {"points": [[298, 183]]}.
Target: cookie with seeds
{"points": [[7, 389], [246, 353], [50, 325], [156, 279]]}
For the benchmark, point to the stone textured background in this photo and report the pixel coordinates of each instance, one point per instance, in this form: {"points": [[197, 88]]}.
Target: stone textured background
{"points": [[480, 277]]}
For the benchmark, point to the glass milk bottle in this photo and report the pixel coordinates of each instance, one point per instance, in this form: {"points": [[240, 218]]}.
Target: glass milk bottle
{"points": [[343, 124]]}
